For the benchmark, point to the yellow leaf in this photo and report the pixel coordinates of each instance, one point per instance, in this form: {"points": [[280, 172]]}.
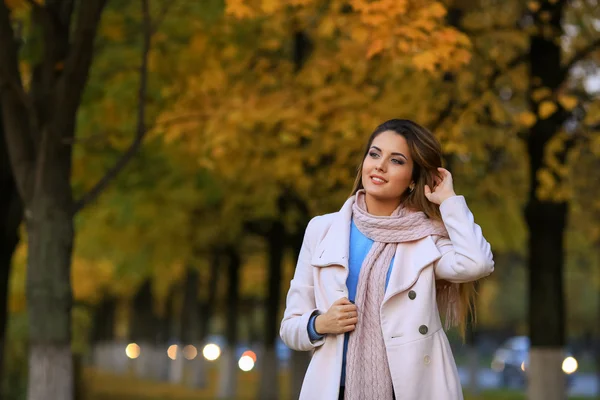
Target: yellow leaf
{"points": [[541, 93], [270, 6], [375, 48], [533, 6], [527, 119], [568, 102], [546, 109], [425, 61]]}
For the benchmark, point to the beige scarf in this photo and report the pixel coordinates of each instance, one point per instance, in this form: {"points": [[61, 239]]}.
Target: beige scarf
{"points": [[367, 372]]}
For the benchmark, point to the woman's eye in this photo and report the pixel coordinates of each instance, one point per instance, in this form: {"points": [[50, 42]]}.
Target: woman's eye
{"points": [[399, 162], [373, 154]]}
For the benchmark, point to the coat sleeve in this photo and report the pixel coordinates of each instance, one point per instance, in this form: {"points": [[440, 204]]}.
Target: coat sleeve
{"points": [[466, 255], [300, 300]]}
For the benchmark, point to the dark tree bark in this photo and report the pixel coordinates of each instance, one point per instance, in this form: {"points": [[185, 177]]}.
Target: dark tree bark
{"points": [[269, 387], [204, 310], [145, 325], [189, 314], [11, 215], [208, 307], [229, 367], [546, 220], [103, 329]]}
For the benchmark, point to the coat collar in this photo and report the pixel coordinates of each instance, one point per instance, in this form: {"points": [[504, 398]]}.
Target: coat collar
{"points": [[409, 260]]}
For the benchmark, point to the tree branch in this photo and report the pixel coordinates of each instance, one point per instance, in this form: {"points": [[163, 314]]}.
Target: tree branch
{"points": [[79, 59], [163, 14], [580, 55], [141, 116], [452, 105], [15, 107]]}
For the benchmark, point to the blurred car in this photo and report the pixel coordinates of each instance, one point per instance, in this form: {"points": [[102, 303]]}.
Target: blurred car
{"points": [[511, 359]]}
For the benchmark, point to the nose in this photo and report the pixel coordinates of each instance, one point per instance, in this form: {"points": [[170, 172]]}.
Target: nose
{"points": [[379, 166]]}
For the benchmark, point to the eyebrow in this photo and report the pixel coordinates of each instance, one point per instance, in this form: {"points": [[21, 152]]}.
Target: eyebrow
{"points": [[394, 154]]}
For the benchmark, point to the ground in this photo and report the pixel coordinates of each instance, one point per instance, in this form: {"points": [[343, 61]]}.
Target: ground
{"points": [[105, 386]]}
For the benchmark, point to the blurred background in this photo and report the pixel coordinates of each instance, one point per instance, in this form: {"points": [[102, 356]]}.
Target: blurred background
{"points": [[160, 160]]}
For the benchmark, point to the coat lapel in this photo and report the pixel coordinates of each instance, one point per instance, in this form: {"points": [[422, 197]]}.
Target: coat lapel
{"points": [[334, 248], [409, 261]]}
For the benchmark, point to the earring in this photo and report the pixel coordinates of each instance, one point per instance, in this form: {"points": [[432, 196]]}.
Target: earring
{"points": [[411, 188]]}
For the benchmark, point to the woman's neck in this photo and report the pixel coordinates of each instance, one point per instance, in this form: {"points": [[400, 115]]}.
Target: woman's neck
{"points": [[380, 208]]}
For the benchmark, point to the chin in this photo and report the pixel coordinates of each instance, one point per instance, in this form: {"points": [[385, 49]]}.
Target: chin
{"points": [[381, 194]]}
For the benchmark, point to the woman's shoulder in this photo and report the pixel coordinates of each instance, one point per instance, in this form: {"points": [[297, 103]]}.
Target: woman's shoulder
{"points": [[318, 227], [321, 222]]}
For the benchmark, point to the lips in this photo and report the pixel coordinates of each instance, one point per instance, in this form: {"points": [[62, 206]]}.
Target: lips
{"points": [[378, 180]]}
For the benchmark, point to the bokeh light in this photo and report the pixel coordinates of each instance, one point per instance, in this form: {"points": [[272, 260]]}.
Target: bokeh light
{"points": [[132, 350], [172, 352], [250, 354], [569, 365], [190, 352], [211, 352], [246, 363]]}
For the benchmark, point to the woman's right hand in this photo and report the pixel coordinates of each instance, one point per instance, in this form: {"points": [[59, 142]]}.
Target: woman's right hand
{"points": [[341, 317]]}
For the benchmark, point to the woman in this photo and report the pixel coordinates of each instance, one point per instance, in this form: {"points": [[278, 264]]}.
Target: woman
{"points": [[371, 278]]}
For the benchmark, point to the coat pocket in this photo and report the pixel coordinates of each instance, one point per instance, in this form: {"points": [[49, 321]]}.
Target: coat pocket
{"points": [[424, 369]]}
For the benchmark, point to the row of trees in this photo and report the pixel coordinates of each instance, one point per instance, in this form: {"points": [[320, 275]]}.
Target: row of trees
{"points": [[254, 116]]}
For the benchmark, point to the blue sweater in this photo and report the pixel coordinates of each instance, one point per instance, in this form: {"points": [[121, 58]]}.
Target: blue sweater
{"points": [[359, 248]]}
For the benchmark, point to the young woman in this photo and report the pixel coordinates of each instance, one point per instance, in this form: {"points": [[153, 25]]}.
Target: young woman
{"points": [[371, 279]]}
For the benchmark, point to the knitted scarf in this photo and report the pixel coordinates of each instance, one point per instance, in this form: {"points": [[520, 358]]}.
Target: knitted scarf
{"points": [[367, 371]]}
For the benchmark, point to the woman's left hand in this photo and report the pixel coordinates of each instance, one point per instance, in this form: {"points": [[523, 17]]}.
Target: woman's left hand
{"points": [[443, 188]]}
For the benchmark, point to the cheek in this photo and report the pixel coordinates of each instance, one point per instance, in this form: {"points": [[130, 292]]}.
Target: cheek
{"points": [[402, 176], [366, 167]]}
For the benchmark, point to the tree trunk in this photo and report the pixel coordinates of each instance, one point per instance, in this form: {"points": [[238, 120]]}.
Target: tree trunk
{"points": [[11, 215], [596, 341], [189, 322], [103, 329], [102, 334], [189, 314], [145, 330], [49, 297], [269, 380], [546, 221], [228, 384], [200, 365]]}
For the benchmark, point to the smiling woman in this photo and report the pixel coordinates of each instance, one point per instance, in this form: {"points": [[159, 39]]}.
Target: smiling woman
{"points": [[370, 278]]}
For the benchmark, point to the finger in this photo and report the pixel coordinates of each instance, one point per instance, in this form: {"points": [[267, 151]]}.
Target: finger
{"points": [[348, 307], [349, 321], [349, 314], [343, 300], [348, 328], [446, 173], [427, 191]]}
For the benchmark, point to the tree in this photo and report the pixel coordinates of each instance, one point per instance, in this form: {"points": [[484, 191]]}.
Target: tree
{"points": [[10, 221], [39, 113], [536, 81]]}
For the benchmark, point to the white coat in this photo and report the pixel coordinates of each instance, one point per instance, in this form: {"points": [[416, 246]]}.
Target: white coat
{"points": [[420, 359]]}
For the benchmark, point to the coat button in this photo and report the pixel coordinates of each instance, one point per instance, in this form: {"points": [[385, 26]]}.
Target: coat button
{"points": [[412, 294], [423, 329], [427, 360]]}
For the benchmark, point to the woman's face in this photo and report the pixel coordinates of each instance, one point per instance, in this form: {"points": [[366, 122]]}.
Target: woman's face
{"points": [[387, 169]]}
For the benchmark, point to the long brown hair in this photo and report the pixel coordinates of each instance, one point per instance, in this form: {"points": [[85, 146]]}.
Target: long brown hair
{"points": [[426, 153]]}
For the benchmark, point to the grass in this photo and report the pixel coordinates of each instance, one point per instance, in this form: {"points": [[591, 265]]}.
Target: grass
{"points": [[106, 386]]}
